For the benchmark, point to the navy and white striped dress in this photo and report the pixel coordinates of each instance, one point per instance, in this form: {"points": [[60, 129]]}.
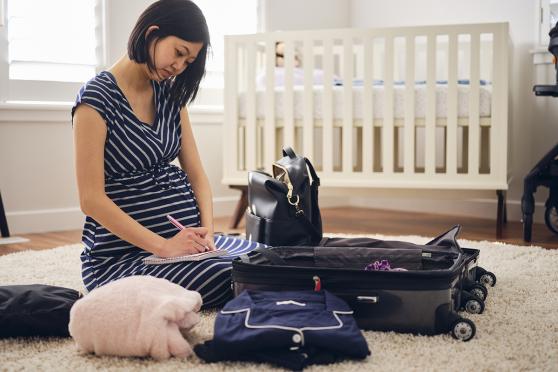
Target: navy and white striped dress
{"points": [[141, 181]]}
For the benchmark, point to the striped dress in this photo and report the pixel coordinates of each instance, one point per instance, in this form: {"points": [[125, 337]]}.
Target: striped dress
{"points": [[141, 181]]}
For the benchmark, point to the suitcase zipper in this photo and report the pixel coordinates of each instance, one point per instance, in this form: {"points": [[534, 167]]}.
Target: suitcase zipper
{"points": [[300, 278]]}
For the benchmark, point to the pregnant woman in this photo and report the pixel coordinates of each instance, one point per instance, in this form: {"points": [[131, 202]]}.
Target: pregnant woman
{"points": [[129, 123]]}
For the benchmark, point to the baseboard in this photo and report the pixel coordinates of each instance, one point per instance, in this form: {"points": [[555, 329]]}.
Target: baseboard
{"points": [[45, 220], [13, 240]]}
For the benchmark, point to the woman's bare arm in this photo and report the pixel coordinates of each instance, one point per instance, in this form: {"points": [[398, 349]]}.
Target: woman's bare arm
{"points": [[191, 163]]}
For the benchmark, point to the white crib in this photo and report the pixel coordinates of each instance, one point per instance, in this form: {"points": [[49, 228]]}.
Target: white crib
{"points": [[416, 107]]}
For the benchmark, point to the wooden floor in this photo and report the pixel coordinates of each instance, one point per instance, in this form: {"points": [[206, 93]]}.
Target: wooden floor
{"points": [[352, 221]]}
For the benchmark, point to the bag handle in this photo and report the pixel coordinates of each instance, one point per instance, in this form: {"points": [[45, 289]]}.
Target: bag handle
{"points": [[313, 173], [288, 151]]}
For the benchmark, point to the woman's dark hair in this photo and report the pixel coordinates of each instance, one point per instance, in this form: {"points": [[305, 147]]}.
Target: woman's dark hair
{"points": [[180, 18]]}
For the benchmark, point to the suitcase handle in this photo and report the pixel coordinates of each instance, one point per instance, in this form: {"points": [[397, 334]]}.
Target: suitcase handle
{"points": [[368, 299]]}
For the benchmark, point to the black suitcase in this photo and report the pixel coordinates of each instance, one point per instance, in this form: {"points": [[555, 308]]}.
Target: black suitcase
{"points": [[424, 299]]}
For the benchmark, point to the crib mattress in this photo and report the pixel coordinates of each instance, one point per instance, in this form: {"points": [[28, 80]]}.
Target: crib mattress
{"points": [[378, 99]]}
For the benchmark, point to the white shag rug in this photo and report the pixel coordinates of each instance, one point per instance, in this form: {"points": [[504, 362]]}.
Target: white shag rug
{"points": [[517, 331]]}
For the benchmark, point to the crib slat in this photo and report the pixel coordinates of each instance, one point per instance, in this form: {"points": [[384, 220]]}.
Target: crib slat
{"points": [[231, 148], [288, 127], [430, 119], [348, 105], [499, 116], [368, 129], [474, 87], [308, 131], [251, 144], [387, 125], [327, 107], [269, 132], [451, 126], [409, 131]]}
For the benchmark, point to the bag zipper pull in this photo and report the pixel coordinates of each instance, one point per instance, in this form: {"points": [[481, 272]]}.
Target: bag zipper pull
{"points": [[317, 283], [295, 203]]}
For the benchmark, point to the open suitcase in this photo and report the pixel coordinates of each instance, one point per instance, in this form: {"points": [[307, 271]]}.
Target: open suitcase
{"points": [[424, 298]]}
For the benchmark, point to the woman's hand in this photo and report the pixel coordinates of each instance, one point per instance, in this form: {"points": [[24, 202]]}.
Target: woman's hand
{"points": [[187, 241], [210, 242]]}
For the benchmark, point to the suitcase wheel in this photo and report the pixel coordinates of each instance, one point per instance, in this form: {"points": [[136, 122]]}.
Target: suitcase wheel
{"points": [[474, 306], [479, 290], [487, 279], [463, 329], [471, 303]]}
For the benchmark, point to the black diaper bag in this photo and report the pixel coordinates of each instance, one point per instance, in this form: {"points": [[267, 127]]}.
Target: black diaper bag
{"points": [[283, 208]]}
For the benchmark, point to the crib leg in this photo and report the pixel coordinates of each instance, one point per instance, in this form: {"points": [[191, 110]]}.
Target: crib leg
{"points": [[501, 214], [3, 221], [505, 211], [240, 206]]}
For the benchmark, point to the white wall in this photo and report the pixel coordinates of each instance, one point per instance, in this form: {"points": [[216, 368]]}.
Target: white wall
{"points": [[283, 15], [122, 16], [36, 170], [530, 135]]}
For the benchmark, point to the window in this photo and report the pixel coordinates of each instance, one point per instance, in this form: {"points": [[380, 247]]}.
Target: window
{"points": [[225, 17], [49, 48]]}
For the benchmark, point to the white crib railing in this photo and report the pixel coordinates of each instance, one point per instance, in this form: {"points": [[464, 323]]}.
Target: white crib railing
{"points": [[451, 152]]}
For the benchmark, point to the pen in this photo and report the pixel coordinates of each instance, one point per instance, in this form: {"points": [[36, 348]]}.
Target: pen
{"points": [[175, 222], [179, 226]]}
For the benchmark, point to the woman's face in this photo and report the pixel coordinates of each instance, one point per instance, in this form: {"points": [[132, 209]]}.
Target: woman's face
{"points": [[171, 56]]}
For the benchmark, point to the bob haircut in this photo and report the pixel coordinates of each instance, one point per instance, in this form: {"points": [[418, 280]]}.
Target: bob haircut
{"points": [[180, 18]]}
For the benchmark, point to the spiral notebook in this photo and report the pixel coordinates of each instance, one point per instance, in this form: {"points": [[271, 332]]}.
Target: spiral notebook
{"points": [[156, 260]]}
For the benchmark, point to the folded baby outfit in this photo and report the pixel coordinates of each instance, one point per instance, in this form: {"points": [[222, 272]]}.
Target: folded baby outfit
{"points": [[135, 316], [290, 329]]}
